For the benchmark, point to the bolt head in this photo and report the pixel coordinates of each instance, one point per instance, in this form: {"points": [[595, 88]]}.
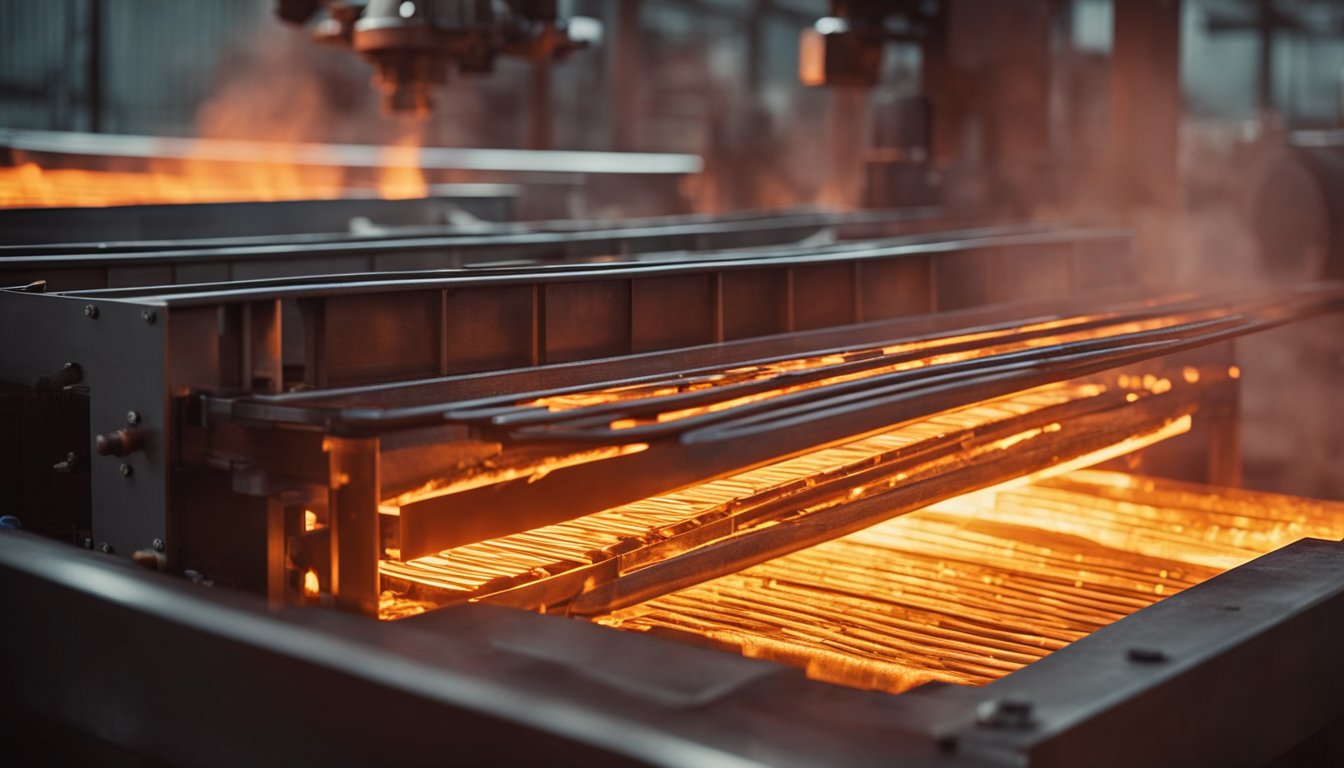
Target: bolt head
{"points": [[132, 418], [149, 316], [1147, 655], [91, 311], [1005, 713], [126, 470], [105, 548], [158, 545]]}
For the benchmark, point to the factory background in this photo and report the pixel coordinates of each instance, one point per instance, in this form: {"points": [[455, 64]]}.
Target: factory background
{"points": [[159, 62]]}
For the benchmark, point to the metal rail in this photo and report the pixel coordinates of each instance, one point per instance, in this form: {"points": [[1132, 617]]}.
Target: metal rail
{"points": [[348, 155], [121, 265]]}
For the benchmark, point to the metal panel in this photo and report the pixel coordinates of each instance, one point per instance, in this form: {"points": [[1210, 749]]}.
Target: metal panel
{"points": [[1234, 671], [895, 288], [488, 329], [122, 356], [672, 312], [823, 296], [381, 337], [587, 320], [755, 303]]}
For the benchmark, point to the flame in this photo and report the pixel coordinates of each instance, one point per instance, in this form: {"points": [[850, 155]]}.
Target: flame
{"points": [[401, 176], [309, 520], [272, 178], [311, 586]]}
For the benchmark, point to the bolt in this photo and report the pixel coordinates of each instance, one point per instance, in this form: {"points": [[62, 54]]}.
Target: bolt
{"points": [[149, 316], [127, 470], [88, 543], [1005, 713], [1147, 655], [132, 418], [158, 545], [69, 465], [105, 548], [91, 311]]}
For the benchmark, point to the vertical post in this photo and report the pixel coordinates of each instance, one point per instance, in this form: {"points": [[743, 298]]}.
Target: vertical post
{"points": [[625, 73], [275, 552], [1146, 102], [262, 363], [539, 105], [754, 48], [353, 522], [1265, 24], [94, 84], [284, 523]]}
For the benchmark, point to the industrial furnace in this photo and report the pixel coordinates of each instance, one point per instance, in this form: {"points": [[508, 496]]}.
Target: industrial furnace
{"points": [[358, 480]]}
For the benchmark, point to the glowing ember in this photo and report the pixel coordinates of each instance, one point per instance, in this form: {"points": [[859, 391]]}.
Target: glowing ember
{"points": [[976, 587], [311, 586], [532, 471], [1008, 340], [552, 548]]}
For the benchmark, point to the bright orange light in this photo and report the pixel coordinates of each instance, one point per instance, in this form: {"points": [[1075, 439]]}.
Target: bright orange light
{"points": [[1007, 341], [31, 186], [975, 587], [467, 568], [309, 520], [401, 176], [812, 58], [533, 471], [311, 586], [198, 181]]}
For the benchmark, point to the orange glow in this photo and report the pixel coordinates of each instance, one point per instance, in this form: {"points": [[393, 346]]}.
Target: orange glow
{"points": [[973, 588], [1190, 374], [309, 520], [532, 472], [30, 186], [774, 370], [200, 181], [551, 549], [311, 586], [1234, 372], [812, 58], [401, 176]]}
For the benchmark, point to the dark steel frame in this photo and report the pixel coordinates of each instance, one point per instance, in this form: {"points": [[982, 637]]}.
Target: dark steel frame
{"points": [[152, 351], [132, 264], [1235, 671]]}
